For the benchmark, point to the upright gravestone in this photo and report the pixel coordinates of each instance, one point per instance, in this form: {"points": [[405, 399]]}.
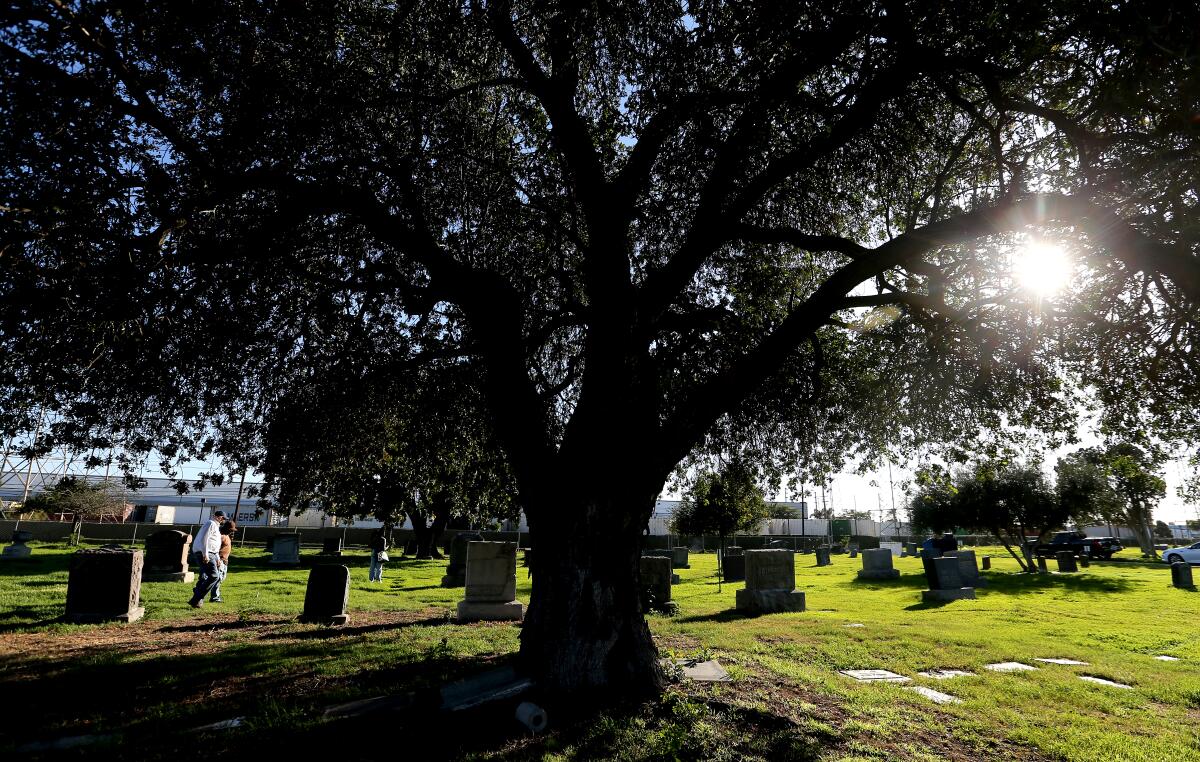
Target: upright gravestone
{"points": [[854, 551], [733, 563], [286, 550], [897, 548], [986, 562], [823, 555], [1181, 575], [968, 569], [327, 595], [1066, 562], [770, 583], [668, 554], [656, 582], [331, 546], [877, 564], [167, 557], [456, 570], [18, 549], [679, 558], [491, 583], [1084, 561], [945, 581], [911, 547], [105, 584]]}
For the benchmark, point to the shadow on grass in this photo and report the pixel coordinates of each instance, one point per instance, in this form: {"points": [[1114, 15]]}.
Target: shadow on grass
{"points": [[411, 589], [326, 633], [1080, 582], [728, 615], [240, 624]]}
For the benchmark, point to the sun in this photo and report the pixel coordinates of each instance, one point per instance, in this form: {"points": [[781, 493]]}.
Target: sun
{"points": [[1043, 268]]}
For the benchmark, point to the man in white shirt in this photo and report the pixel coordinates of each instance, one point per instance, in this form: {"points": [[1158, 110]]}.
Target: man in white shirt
{"points": [[205, 550]]}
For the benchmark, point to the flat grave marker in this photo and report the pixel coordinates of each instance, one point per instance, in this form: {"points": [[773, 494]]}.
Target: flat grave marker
{"points": [[1009, 666], [875, 676], [1064, 661], [945, 674], [1104, 681], [936, 697]]}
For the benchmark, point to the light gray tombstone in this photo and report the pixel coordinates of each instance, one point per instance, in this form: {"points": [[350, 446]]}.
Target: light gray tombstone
{"points": [[1181, 575], [823, 555], [679, 558], [1066, 562], [456, 570], [877, 564], [968, 569], [491, 584], [945, 581], [656, 583], [167, 557], [105, 584], [897, 548], [286, 550], [327, 595], [18, 549], [770, 583]]}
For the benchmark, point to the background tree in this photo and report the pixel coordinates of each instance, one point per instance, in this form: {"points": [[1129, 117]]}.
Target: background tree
{"points": [[80, 499], [784, 230], [721, 503]]}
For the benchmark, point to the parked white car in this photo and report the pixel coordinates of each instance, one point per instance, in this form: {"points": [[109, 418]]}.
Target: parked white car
{"points": [[1191, 554]]}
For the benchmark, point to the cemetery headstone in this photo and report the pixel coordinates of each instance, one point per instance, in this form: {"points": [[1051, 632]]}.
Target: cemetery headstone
{"points": [[331, 546], [656, 582], [823, 555], [491, 583], [105, 584], [456, 570], [327, 595], [286, 550], [968, 569], [987, 562], [945, 581], [770, 583], [167, 557], [1084, 561], [1066, 562], [877, 564], [897, 548], [679, 558], [18, 549], [911, 547], [1181, 575], [733, 563], [854, 551]]}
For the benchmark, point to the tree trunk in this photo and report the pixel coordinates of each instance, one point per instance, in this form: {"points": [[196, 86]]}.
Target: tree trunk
{"points": [[585, 634], [1139, 521], [1004, 540], [421, 534], [441, 517], [76, 528]]}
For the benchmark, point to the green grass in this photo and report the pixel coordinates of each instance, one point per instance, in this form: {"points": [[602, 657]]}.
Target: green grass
{"points": [[153, 678]]}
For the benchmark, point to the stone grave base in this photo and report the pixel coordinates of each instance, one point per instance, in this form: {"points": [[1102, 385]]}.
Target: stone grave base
{"points": [[132, 615], [489, 611], [17, 551], [334, 620], [671, 608], [284, 564], [169, 577], [674, 579], [878, 573], [455, 580], [954, 594], [769, 601]]}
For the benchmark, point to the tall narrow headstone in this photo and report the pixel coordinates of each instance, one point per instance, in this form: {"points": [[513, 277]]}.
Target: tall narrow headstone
{"points": [[823, 555], [456, 570], [945, 581], [286, 550], [877, 564], [1066, 561], [327, 595], [911, 547], [167, 557], [18, 549], [491, 583], [987, 562], [1084, 561], [656, 583], [770, 583], [733, 563], [105, 584], [331, 546], [1181, 575]]}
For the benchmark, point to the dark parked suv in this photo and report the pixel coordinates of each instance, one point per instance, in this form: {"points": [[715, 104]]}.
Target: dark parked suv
{"points": [[1080, 544]]}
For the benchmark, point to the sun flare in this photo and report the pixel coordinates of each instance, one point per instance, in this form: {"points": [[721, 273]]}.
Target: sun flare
{"points": [[1043, 268]]}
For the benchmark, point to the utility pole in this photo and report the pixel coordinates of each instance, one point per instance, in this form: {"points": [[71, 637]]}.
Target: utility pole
{"points": [[892, 489]]}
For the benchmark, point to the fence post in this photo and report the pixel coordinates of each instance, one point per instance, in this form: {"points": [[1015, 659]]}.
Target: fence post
{"points": [[133, 542]]}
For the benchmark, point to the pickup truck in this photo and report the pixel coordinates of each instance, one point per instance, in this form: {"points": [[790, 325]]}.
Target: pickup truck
{"points": [[1080, 544]]}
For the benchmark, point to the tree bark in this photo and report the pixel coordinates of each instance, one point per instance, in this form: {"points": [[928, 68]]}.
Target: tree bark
{"points": [[585, 634]]}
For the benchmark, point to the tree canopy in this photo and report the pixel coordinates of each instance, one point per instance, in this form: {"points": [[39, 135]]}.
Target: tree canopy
{"points": [[783, 231], [721, 503]]}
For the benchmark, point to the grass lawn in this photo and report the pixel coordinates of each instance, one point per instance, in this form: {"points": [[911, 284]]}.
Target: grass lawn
{"points": [[147, 683]]}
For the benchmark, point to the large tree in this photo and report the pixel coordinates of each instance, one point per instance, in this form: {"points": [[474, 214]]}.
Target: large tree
{"points": [[781, 230]]}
